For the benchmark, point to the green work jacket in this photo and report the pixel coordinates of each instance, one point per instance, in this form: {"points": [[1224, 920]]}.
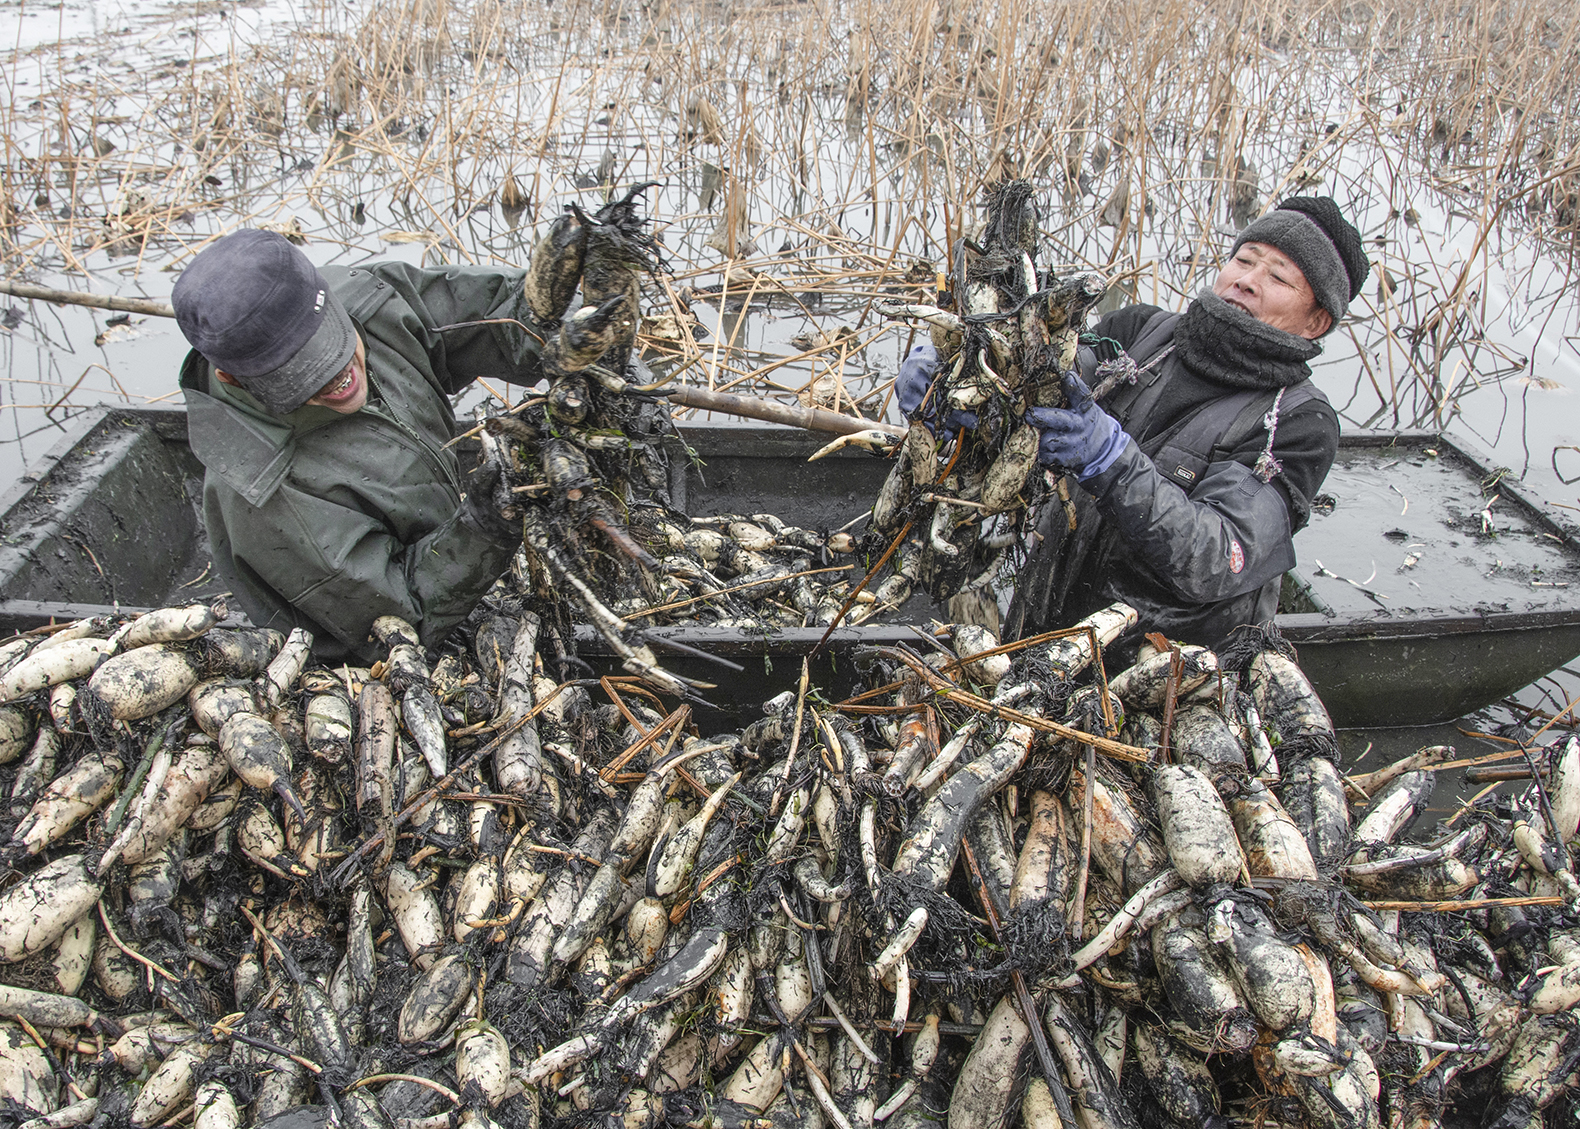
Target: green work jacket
{"points": [[327, 521]]}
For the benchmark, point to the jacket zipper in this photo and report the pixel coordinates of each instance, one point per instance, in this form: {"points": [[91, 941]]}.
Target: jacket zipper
{"points": [[388, 414]]}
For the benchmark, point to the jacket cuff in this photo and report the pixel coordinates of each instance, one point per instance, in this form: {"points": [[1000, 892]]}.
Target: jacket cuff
{"points": [[1117, 442], [480, 516], [515, 342], [1126, 462]]}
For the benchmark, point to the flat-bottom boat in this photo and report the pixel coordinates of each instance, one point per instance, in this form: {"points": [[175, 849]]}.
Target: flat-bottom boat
{"points": [[1429, 584]]}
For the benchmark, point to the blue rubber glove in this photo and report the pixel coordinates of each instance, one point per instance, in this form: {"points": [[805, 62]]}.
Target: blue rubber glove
{"points": [[910, 387], [915, 375], [1082, 438]]}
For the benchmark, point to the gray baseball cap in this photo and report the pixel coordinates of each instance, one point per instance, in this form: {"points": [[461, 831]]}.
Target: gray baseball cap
{"points": [[256, 307]]}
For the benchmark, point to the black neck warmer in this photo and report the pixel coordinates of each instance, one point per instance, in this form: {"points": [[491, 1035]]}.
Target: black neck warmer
{"points": [[1224, 344]]}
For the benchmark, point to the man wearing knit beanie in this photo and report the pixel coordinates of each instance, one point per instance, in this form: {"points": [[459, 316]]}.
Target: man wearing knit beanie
{"points": [[1309, 233], [1199, 466]]}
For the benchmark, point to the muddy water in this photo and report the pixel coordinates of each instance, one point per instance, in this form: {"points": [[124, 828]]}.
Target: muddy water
{"points": [[1415, 529]]}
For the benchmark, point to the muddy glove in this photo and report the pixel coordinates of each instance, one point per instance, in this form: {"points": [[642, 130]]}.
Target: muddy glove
{"points": [[911, 384], [1082, 439], [480, 509]]}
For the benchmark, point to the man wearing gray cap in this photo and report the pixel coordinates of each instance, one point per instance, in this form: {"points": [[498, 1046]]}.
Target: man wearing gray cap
{"points": [[318, 403], [1200, 465]]}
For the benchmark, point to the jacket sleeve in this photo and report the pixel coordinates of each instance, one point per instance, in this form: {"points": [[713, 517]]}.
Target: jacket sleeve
{"points": [[505, 349], [1230, 535], [342, 568]]}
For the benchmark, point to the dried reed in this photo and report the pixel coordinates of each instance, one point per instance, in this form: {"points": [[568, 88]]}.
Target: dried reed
{"points": [[814, 156]]}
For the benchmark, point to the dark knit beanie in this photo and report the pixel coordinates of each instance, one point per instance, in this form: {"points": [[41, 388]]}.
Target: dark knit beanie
{"points": [[1322, 243]]}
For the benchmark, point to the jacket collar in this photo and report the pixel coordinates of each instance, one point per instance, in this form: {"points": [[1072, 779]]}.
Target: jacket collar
{"points": [[236, 438]]}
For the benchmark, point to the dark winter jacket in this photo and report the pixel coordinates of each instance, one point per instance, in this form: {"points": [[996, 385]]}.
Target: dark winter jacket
{"points": [[327, 521], [1197, 546]]}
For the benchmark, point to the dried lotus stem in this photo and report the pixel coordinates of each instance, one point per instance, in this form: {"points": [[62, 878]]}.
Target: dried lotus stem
{"points": [[152, 966], [1462, 905], [676, 721], [1116, 749]]}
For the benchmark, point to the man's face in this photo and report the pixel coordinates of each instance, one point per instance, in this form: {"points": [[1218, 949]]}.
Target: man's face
{"points": [[348, 391], [1265, 283]]}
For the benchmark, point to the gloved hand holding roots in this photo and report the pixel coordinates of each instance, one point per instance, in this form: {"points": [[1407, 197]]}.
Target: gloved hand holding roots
{"points": [[910, 389], [967, 481], [482, 504], [1082, 439]]}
